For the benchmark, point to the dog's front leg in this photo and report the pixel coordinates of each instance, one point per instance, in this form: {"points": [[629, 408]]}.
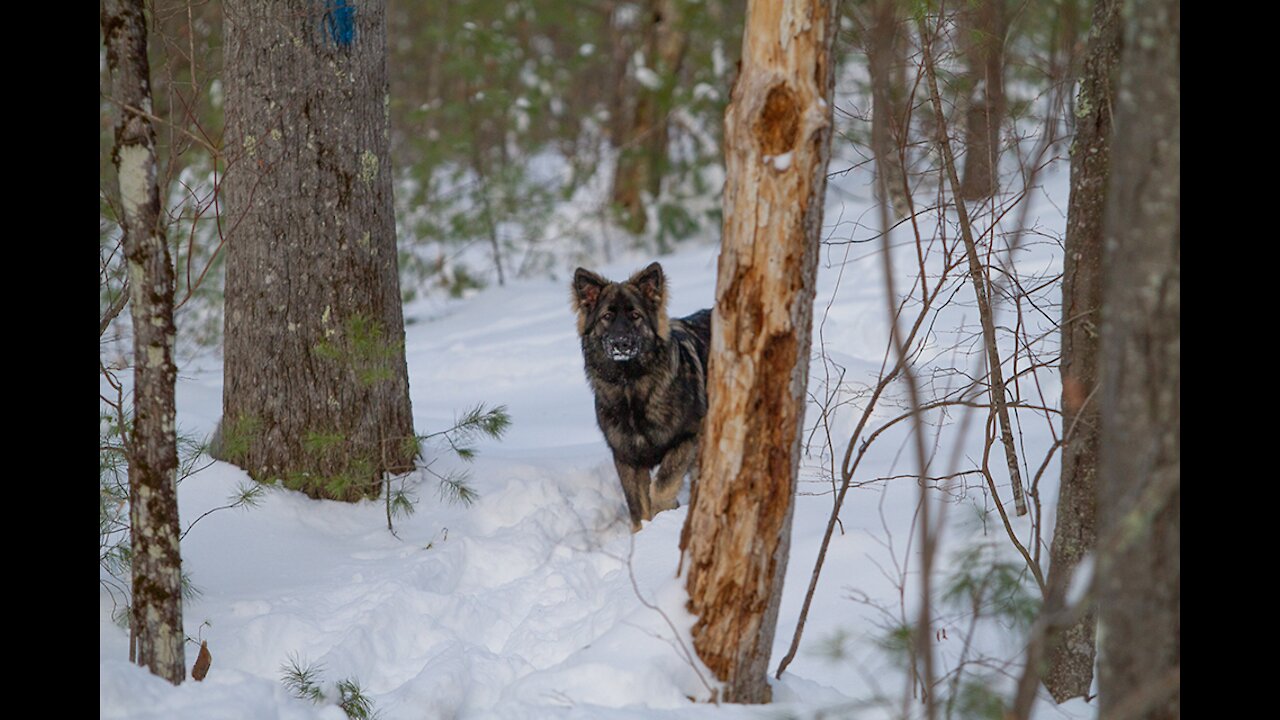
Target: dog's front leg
{"points": [[671, 473], [635, 488]]}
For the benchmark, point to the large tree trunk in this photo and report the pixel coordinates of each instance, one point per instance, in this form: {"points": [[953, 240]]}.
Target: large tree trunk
{"points": [[642, 145], [1071, 651], [778, 142], [1139, 474], [316, 388], [156, 622], [984, 40]]}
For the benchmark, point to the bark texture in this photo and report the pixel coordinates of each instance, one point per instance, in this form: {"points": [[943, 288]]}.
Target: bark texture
{"points": [[642, 145], [316, 388], [1139, 473], [737, 536], [984, 24], [1069, 670], [156, 621]]}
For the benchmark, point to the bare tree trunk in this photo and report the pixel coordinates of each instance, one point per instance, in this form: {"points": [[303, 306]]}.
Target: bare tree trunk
{"points": [[1064, 53], [981, 289], [670, 39], [642, 155], [1071, 649], [491, 224], [884, 42], [1139, 472], [737, 536], [316, 387], [985, 40], [622, 43], [156, 621]]}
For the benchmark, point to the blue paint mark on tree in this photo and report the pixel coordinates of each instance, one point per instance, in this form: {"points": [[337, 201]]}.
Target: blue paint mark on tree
{"points": [[340, 21]]}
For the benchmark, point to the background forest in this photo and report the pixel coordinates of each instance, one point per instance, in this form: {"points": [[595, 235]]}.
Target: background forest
{"points": [[530, 136], [493, 575]]}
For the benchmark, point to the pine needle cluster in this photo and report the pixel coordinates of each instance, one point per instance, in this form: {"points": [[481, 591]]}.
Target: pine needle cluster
{"points": [[460, 439], [305, 681], [475, 424]]}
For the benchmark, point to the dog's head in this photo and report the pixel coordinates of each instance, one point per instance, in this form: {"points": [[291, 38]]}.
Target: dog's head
{"points": [[627, 319]]}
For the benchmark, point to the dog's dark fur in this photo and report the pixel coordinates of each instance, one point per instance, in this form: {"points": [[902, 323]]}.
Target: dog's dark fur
{"points": [[648, 373]]}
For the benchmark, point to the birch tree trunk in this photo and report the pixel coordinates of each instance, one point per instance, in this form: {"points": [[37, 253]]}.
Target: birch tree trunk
{"points": [[316, 387], [777, 144], [156, 619], [1071, 650], [1139, 473]]}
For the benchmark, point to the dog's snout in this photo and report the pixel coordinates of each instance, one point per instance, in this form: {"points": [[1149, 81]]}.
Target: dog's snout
{"points": [[620, 347]]}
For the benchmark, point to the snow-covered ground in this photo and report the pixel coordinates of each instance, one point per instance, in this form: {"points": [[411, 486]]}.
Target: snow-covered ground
{"points": [[536, 602]]}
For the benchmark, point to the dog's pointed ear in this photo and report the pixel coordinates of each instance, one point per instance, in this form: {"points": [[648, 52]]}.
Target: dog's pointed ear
{"points": [[586, 289], [652, 283]]}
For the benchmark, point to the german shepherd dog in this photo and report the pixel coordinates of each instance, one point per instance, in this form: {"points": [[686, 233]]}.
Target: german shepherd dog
{"points": [[649, 376]]}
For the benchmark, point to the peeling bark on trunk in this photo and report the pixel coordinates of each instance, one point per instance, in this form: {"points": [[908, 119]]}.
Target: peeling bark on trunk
{"points": [[1139, 473], [984, 37], [1071, 649], [316, 386], [778, 142], [642, 145], [156, 621]]}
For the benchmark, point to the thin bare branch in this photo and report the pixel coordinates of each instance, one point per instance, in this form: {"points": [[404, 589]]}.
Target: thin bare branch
{"points": [[978, 278], [118, 305], [213, 149]]}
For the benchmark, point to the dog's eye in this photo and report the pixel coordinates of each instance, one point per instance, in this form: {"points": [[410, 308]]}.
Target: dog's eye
{"points": [[608, 316], [635, 315]]}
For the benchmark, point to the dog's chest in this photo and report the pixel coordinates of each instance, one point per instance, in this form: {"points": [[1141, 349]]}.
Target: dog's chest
{"points": [[634, 431], [638, 411]]}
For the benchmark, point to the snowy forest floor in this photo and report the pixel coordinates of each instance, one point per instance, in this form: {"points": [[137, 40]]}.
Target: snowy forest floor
{"points": [[536, 601]]}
